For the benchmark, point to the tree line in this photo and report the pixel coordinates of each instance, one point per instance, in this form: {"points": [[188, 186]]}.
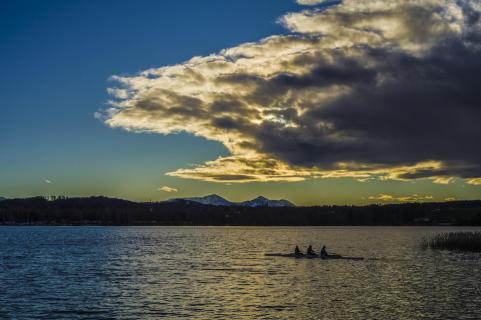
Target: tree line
{"points": [[107, 211]]}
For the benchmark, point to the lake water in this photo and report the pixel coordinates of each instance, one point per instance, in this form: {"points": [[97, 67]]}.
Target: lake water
{"points": [[222, 273]]}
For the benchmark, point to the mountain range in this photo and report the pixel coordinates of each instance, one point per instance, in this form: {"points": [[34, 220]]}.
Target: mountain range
{"points": [[216, 200], [2, 198]]}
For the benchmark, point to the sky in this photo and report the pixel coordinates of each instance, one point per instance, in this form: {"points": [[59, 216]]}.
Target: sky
{"points": [[317, 102]]}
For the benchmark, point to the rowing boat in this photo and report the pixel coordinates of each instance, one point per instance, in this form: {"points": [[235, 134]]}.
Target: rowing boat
{"points": [[312, 256]]}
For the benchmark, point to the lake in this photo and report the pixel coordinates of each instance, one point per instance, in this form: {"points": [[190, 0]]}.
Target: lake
{"points": [[223, 273]]}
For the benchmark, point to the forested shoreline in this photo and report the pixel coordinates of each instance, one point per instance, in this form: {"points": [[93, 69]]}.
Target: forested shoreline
{"points": [[108, 211]]}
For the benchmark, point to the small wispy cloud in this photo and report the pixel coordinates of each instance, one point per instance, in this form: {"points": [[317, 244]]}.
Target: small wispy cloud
{"points": [[98, 115], [313, 2], [168, 189], [474, 182], [391, 198], [450, 199], [442, 180], [47, 181]]}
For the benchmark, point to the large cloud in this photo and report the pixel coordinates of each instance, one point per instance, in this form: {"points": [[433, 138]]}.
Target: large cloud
{"points": [[363, 89]]}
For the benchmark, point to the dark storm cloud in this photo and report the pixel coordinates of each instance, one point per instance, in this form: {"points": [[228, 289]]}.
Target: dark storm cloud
{"points": [[427, 108], [390, 88]]}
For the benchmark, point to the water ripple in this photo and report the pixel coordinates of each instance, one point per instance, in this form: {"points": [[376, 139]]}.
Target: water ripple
{"points": [[222, 273]]}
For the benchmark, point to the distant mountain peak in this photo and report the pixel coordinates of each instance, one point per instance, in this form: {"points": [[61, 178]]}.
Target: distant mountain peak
{"points": [[212, 199], [265, 202], [214, 196], [216, 200]]}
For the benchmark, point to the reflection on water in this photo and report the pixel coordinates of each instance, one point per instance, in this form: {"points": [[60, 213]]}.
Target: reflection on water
{"points": [[222, 273]]}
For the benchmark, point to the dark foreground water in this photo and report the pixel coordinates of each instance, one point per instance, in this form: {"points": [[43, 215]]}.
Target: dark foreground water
{"points": [[222, 273]]}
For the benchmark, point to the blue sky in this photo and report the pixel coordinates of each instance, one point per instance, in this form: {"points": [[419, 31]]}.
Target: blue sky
{"points": [[56, 59]]}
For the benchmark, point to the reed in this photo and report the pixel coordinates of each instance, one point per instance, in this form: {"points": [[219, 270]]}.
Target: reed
{"points": [[461, 241]]}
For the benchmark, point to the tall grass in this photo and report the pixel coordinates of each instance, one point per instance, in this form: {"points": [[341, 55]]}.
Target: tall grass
{"points": [[461, 241]]}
